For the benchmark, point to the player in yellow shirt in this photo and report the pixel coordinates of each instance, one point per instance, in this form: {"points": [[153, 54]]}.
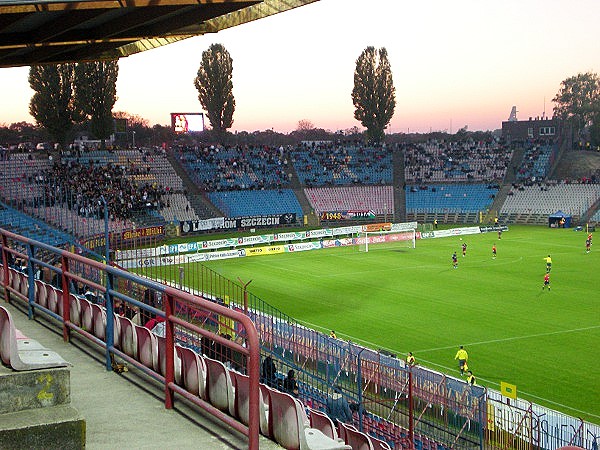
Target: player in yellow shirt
{"points": [[548, 264], [410, 360], [462, 357]]}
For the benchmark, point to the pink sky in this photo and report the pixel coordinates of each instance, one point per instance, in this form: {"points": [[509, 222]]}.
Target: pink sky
{"points": [[457, 63]]}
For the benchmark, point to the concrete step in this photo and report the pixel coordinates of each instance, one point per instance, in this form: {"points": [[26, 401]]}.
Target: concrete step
{"points": [[56, 427], [33, 389]]}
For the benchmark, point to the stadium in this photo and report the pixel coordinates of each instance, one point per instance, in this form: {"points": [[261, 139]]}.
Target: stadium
{"points": [[332, 260], [329, 240]]}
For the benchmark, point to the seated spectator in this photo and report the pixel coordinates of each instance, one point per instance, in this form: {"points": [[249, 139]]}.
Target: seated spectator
{"points": [[269, 372], [290, 385], [337, 407]]}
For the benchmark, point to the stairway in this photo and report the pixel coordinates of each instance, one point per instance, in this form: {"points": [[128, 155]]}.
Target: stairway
{"points": [[399, 186], [515, 163], [311, 219], [36, 411]]}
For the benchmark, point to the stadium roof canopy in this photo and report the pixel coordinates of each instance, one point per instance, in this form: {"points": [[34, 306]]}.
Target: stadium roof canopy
{"points": [[56, 31]]}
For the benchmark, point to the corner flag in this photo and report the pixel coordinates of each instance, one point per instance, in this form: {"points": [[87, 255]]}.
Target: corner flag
{"points": [[508, 390]]}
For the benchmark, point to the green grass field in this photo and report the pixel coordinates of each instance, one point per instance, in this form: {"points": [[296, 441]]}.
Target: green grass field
{"points": [[405, 299]]}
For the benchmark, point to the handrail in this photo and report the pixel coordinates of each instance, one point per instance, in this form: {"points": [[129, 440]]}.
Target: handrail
{"points": [[171, 298]]}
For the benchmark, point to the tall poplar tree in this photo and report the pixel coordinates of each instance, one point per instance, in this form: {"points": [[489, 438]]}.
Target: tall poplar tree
{"points": [[578, 101], [374, 95], [96, 94], [52, 104], [215, 88]]}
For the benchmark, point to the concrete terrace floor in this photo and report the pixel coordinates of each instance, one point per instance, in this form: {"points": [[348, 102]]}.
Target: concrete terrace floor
{"points": [[127, 410]]}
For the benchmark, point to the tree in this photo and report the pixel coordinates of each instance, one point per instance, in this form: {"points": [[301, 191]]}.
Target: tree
{"points": [[96, 94], [374, 93], [305, 125], [215, 88], [52, 104], [578, 101]]}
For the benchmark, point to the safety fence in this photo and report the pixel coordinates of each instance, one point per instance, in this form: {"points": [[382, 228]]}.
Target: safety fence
{"points": [[433, 408]]}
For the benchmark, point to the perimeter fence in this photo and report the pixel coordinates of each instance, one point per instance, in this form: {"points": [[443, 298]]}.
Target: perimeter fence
{"points": [[411, 407]]}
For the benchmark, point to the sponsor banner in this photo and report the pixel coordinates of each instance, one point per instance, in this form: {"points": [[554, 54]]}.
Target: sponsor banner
{"points": [[266, 221], [303, 246], [407, 226], [496, 228], [259, 251], [94, 242], [346, 230], [190, 226], [289, 236], [425, 235], [456, 232], [342, 242], [136, 253], [251, 240], [217, 243], [347, 215], [143, 232], [318, 233], [180, 259], [377, 227], [211, 256]]}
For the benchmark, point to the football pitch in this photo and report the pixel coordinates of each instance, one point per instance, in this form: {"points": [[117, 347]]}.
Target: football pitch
{"points": [[403, 299]]}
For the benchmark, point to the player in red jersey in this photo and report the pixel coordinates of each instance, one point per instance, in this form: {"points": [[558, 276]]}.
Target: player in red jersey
{"points": [[546, 281], [588, 244]]}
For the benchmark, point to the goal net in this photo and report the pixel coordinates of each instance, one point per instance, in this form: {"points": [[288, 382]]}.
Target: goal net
{"points": [[371, 240]]}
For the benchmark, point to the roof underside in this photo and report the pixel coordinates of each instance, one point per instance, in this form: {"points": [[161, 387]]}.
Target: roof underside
{"points": [[49, 32]]}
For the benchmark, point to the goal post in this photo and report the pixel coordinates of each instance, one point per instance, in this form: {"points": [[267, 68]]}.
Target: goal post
{"points": [[368, 240]]}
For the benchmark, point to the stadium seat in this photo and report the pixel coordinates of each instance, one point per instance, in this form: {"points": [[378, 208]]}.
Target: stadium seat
{"points": [[265, 404], [147, 347], [52, 298], [127, 337], [41, 296], [162, 360], [241, 385], [99, 322], [85, 308], [74, 310], [193, 371], [356, 439], [21, 353], [15, 279], [219, 388], [324, 424], [379, 444], [23, 283], [290, 426]]}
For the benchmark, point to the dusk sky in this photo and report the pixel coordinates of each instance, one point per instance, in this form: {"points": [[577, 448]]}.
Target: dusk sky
{"points": [[454, 63]]}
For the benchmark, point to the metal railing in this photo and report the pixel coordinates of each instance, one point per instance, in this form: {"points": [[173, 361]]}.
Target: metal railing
{"points": [[121, 292]]}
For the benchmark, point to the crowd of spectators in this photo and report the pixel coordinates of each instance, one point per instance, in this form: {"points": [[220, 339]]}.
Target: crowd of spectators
{"points": [[435, 161], [328, 163], [81, 187], [221, 168]]}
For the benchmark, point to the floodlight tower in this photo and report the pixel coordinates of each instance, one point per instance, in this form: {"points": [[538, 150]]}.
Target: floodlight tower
{"points": [[513, 114]]}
